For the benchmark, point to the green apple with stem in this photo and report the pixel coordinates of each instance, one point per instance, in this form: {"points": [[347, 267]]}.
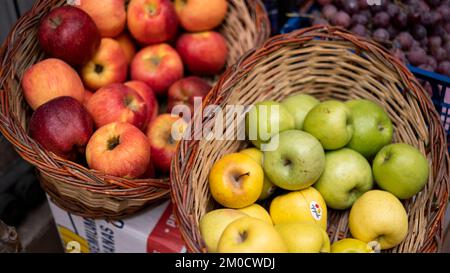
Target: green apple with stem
{"points": [[299, 105], [372, 127], [331, 123], [346, 177], [401, 169]]}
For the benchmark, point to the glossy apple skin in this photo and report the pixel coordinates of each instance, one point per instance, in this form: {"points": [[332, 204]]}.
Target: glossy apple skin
{"points": [[204, 53], [184, 91], [109, 65], [62, 126], [49, 79], [68, 33], [129, 159], [196, 16], [117, 103], [127, 45], [163, 146], [87, 96], [149, 97], [152, 21], [109, 15], [159, 66]]}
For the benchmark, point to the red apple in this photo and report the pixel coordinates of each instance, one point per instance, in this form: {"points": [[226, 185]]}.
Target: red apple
{"points": [[201, 15], [109, 65], [150, 172], [109, 15], [87, 96], [127, 45], [119, 149], [149, 98], [62, 126], [159, 66], [204, 53], [49, 79], [152, 21], [163, 144], [184, 91], [117, 103], [70, 34]]}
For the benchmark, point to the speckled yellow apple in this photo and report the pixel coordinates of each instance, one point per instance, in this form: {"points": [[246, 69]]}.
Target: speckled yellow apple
{"points": [[268, 187], [304, 205], [257, 211], [304, 237], [236, 180], [250, 235], [213, 224]]}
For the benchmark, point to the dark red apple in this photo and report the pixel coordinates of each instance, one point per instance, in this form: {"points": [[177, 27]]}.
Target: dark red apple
{"points": [[184, 91], [62, 126], [68, 33]]}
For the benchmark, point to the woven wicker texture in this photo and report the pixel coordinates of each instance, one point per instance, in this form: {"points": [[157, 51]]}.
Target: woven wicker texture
{"points": [[329, 63], [72, 186]]}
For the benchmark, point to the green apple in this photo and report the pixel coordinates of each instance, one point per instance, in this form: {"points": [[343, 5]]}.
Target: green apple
{"points": [[251, 235], [346, 177], [372, 127], [304, 237], [400, 169], [299, 106], [265, 120], [297, 162], [331, 123]]}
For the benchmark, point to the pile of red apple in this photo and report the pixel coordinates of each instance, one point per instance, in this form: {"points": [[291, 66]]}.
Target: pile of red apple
{"points": [[111, 71]]}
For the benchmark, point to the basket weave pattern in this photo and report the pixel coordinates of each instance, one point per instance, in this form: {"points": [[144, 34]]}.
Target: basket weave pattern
{"points": [[328, 63], [72, 186]]}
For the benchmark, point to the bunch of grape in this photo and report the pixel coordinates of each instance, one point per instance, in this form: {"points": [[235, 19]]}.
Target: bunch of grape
{"points": [[416, 31]]}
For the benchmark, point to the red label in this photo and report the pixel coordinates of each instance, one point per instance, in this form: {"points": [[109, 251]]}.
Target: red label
{"points": [[165, 237]]}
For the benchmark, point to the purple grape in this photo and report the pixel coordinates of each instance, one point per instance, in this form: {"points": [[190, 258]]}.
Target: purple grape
{"points": [[439, 53], [430, 18], [434, 41], [414, 13], [359, 19], [432, 62], [401, 20], [444, 11], [415, 44], [433, 3], [363, 4], [419, 32], [405, 40], [341, 19], [359, 29], [417, 56], [320, 21], [392, 31], [381, 19], [324, 2], [351, 6], [444, 68], [392, 9], [397, 52], [381, 35], [447, 47], [329, 11]]}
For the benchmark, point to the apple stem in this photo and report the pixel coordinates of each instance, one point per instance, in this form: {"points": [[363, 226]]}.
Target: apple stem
{"points": [[375, 246]]}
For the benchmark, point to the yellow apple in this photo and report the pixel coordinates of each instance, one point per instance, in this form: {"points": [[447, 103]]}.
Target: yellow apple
{"points": [[378, 216], [304, 237], [268, 187], [213, 224], [304, 205], [250, 235], [350, 245], [257, 211], [236, 180]]}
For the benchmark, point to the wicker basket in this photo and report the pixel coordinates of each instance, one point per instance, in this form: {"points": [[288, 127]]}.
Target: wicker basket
{"points": [[70, 185], [329, 63]]}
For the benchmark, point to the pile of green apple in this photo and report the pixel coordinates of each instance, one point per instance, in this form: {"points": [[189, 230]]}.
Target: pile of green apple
{"points": [[327, 155]]}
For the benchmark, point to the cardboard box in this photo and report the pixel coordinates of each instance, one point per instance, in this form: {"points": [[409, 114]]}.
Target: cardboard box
{"points": [[153, 230]]}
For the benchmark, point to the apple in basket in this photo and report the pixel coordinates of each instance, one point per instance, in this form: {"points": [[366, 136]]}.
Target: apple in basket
{"points": [[109, 15], [184, 91], [62, 126], [58, 29], [87, 96], [164, 133], [108, 65], [127, 45], [201, 15], [49, 79], [159, 66], [119, 149], [117, 103], [149, 97], [204, 53], [304, 237], [152, 21]]}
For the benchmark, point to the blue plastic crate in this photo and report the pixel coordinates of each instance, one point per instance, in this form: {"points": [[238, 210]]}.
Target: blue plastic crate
{"points": [[440, 84]]}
